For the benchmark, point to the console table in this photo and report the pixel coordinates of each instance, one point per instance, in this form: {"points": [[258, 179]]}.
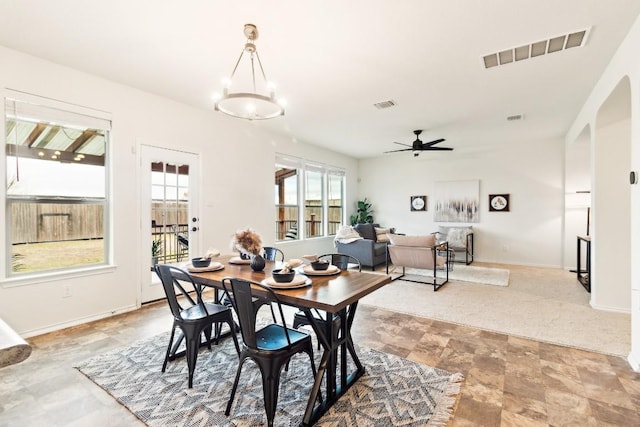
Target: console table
{"points": [[584, 275]]}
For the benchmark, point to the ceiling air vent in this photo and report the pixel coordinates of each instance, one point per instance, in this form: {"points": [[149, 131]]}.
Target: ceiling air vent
{"points": [[538, 48], [385, 104], [515, 117]]}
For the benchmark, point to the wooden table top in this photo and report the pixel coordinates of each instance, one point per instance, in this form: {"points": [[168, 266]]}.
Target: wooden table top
{"points": [[326, 293]]}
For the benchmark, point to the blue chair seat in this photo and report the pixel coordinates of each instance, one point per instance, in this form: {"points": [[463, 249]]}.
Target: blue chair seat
{"points": [[273, 337]]}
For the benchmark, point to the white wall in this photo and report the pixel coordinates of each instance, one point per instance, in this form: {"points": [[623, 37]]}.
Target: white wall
{"points": [[624, 64], [611, 266], [238, 159], [532, 173]]}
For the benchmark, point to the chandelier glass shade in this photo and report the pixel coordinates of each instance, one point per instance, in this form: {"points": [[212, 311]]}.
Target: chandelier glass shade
{"points": [[255, 99]]}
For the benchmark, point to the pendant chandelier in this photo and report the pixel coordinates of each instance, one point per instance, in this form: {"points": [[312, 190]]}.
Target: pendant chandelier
{"points": [[254, 100]]}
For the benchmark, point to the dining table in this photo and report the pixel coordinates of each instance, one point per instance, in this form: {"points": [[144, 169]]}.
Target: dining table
{"points": [[337, 295]]}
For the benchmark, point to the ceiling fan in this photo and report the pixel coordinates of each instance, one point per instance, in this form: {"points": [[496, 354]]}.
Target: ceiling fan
{"points": [[419, 146]]}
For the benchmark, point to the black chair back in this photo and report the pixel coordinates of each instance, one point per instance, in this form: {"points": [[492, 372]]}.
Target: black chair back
{"points": [[272, 254], [341, 261], [171, 285]]}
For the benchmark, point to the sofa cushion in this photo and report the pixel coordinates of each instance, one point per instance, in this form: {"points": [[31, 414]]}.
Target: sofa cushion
{"points": [[382, 234], [418, 241], [367, 231]]}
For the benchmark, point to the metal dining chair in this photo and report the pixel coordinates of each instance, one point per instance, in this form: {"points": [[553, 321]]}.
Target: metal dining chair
{"points": [[342, 261], [270, 347], [271, 253], [192, 317]]}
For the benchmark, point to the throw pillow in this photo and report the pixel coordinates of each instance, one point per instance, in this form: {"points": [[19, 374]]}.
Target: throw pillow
{"points": [[382, 234], [457, 236], [347, 234], [415, 241]]}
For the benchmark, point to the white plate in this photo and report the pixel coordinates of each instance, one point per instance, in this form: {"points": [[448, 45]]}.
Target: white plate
{"points": [[238, 260], [214, 266], [297, 282], [328, 272]]}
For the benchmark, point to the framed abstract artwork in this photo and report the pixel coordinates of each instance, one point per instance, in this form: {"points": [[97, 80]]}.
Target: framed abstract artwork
{"points": [[457, 201]]}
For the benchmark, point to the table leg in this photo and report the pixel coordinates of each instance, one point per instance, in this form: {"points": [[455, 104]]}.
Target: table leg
{"points": [[332, 340]]}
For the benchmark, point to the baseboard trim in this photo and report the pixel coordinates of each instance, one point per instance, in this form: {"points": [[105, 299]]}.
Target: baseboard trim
{"points": [[610, 309], [78, 321]]}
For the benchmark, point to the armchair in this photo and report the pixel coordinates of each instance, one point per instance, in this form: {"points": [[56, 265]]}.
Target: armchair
{"points": [[370, 248], [420, 252], [460, 239]]}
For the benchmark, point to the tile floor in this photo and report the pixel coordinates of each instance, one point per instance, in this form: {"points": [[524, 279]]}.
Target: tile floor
{"points": [[509, 381]]}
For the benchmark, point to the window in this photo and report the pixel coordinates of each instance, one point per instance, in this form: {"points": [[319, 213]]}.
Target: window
{"points": [[335, 197], [308, 194], [56, 194], [286, 192], [313, 203], [170, 211]]}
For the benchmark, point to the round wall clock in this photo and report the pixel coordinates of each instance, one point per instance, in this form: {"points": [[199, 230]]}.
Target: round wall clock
{"points": [[499, 202], [418, 203]]}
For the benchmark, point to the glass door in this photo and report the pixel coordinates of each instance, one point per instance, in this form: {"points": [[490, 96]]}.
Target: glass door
{"points": [[170, 223]]}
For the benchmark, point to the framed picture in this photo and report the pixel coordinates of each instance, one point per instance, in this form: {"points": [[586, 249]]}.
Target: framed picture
{"points": [[418, 203], [498, 203], [457, 201]]}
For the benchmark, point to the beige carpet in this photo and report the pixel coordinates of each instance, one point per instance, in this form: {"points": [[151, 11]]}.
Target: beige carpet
{"points": [[544, 304]]}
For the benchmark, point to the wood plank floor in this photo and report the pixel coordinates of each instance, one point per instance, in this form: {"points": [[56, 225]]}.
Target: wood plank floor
{"points": [[509, 381]]}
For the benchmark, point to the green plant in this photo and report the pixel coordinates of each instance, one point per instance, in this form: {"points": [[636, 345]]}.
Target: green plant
{"points": [[156, 247], [364, 213]]}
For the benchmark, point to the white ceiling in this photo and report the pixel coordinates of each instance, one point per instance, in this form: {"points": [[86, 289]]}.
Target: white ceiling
{"points": [[332, 60]]}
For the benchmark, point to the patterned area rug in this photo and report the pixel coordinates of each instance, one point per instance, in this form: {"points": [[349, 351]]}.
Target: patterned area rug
{"points": [[393, 391]]}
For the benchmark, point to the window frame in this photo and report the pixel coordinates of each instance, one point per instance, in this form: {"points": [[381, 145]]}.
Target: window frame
{"points": [[303, 166], [68, 116]]}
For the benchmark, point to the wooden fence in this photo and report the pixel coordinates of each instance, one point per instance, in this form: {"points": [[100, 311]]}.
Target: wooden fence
{"points": [[54, 222]]}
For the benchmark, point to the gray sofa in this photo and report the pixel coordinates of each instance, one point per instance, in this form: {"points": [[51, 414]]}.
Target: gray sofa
{"points": [[369, 251]]}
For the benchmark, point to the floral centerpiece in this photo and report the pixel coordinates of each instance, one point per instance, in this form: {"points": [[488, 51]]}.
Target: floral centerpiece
{"points": [[247, 242]]}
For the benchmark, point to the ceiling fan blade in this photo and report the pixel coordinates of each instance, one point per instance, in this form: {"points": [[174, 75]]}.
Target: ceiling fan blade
{"points": [[418, 145], [437, 149], [434, 142], [395, 151]]}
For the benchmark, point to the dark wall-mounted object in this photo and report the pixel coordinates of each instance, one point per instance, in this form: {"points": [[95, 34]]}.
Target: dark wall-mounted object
{"points": [[633, 177]]}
